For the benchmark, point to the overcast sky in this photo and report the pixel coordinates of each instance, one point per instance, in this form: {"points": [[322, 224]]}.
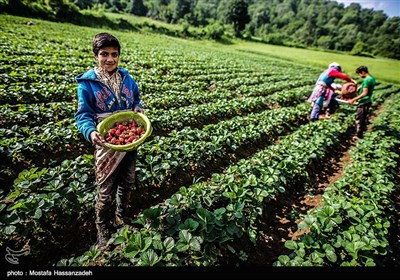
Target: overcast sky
{"points": [[390, 7]]}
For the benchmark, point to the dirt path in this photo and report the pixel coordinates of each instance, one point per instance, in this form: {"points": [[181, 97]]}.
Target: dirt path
{"points": [[280, 223]]}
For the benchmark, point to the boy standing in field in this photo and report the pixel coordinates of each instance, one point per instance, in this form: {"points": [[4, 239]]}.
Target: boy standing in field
{"points": [[102, 91], [364, 98]]}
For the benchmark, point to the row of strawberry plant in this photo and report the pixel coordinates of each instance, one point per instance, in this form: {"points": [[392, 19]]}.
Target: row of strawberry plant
{"points": [[173, 98], [36, 193], [159, 87], [21, 143], [163, 156], [193, 147], [190, 148], [191, 226], [35, 114], [61, 198], [352, 226], [38, 114], [156, 162], [50, 67], [141, 243]]}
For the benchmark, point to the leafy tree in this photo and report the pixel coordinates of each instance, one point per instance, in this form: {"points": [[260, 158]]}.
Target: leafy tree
{"points": [[215, 31], [301, 23], [351, 14], [326, 42], [83, 4], [347, 36], [180, 8], [204, 12], [156, 8], [238, 15], [136, 7], [358, 48]]}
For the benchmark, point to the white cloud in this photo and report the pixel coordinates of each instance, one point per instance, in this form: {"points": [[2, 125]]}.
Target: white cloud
{"points": [[389, 7]]}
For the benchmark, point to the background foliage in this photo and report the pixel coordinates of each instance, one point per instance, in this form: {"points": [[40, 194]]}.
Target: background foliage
{"points": [[300, 23]]}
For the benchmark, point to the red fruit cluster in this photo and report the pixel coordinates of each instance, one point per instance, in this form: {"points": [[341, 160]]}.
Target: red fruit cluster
{"points": [[123, 133], [348, 91]]}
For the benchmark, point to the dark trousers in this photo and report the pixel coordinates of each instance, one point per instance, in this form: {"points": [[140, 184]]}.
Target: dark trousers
{"points": [[121, 183], [361, 119], [333, 105]]}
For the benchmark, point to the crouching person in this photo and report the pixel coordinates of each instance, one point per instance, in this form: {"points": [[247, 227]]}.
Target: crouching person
{"points": [[322, 85]]}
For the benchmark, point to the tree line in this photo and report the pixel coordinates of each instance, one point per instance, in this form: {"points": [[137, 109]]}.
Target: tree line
{"points": [[297, 23]]}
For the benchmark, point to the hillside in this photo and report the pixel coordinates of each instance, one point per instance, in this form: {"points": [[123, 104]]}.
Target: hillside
{"points": [[322, 24], [228, 176]]}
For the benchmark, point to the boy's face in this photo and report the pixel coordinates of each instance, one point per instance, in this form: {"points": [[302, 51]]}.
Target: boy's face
{"points": [[108, 58], [362, 74]]}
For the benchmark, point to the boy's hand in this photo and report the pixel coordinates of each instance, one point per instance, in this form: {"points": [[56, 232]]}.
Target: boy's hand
{"points": [[139, 110], [96, 138]]}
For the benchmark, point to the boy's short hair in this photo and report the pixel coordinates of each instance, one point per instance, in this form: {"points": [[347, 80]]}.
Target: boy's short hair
{"points": [[103, 40], [361, 69]]}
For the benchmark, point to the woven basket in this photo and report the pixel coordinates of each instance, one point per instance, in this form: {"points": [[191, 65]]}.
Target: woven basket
{"points": [[349, 91]]}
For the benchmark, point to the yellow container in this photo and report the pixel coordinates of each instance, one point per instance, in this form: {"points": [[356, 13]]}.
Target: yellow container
{"points": [[104, 126]]}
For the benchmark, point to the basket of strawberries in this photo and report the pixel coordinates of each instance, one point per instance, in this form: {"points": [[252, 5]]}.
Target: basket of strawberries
{"points": [[125, 131], [348, 92]]}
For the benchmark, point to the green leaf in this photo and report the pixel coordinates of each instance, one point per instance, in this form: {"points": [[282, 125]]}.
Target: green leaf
{"points": [[207, 201], [169, 244], [290, 244], [131, 251], [185, 235], [18, 205], [219, 211], [386, 224], [118, 240], [195, 244], [147, 243], [351, 213], [181, 246], [10, 230], [281, 189], [330, 254], [175, 199], [149, 258], [38, 214], [284, 260], [301, 252], [338, 219], [157, 244], [231, 249], [315, 258], [190, 224], [136, 240], [328, 211], [303, 225], [83, 178], [252, 180]]}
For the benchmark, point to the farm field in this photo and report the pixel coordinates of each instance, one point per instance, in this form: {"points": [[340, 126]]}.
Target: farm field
{"points": [[234, 174], [387, 70]]}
